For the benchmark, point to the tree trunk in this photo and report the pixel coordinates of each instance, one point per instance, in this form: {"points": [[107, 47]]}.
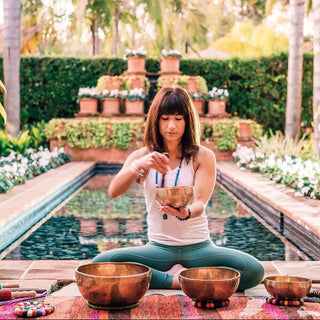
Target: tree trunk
{"points": [[116, 35], [11, 64], [316, 77], [95, 37], [295, 68]]}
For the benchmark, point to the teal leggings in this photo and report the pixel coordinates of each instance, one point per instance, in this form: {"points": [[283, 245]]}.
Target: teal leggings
{"points": [[161, 258]]}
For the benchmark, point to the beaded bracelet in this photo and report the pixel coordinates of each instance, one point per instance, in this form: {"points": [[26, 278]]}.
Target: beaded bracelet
{"points": [[134, 169], [187, 217], [33, 309]]}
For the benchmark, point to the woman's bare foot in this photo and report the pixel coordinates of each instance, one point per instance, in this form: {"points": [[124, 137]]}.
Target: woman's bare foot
{"points": [[175, 270]]}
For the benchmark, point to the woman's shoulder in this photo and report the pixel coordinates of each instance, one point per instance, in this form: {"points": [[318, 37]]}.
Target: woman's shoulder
{"points": [[204, 154]]}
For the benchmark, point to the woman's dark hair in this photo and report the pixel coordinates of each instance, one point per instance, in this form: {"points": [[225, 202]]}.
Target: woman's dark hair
{"points": [[170, 101]]}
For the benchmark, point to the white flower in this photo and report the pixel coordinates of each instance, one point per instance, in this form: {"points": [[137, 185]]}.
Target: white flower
{"points": [[88, 92]]}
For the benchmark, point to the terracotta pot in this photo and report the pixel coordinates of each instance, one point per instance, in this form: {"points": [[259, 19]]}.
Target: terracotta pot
{"points": [[192, 85], [245, 130], [135, 107], [111, 106], [220, 155], [88, 105], [113, 83], [136, 82], [217, 107], [136, 64], [88, 227], [199, 105], [170, 64], [169, 81]]}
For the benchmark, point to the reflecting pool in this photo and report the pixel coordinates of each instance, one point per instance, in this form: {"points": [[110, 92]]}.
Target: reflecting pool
{"points": [[91, 222]]}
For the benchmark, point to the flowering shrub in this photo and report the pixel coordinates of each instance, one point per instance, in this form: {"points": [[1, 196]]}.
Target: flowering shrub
{"points": [[197, 95], [218, 94], [17, 168], [171, 53], [136, 53], [88, 93], [134, 94], [117, 94], [302, 175]]}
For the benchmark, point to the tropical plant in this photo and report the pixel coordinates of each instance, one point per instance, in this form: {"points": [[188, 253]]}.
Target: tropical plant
{"points": [[218, 94], [2, 111], [283, 145]]}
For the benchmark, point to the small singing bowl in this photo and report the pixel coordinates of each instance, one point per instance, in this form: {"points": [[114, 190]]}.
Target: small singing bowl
{"points": [[287, 287], [175, 196], [209, 283], [112, 284]]}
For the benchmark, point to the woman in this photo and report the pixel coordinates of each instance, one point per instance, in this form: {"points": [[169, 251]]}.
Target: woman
{"points": [[178, 238]]}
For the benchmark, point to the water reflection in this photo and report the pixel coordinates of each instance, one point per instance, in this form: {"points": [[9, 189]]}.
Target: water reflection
{"points": [[91, 222]]}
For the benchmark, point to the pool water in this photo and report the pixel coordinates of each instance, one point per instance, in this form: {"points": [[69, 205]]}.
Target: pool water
{"points": [[91, 222]]}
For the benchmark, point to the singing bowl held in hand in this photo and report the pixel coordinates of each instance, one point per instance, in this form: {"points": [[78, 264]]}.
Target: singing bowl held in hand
{"points": [[175, 196], [209, 283], [113, 284], [287, 287]]}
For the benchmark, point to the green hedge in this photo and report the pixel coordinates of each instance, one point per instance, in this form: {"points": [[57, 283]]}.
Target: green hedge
{"points": [[257, 87]]}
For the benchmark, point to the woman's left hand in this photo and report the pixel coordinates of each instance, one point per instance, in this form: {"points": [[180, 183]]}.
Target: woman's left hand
{"points": [[181, 212]]}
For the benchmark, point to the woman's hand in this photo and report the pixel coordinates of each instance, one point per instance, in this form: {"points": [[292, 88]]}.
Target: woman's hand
{"points": [[182, 212], [154, 160]]}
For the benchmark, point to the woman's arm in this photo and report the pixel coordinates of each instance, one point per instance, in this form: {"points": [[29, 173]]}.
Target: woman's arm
{"points": [[204, 181], [135, 168]]}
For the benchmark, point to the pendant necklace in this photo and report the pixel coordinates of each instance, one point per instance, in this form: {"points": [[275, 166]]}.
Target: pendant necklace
{"points": [[165, 216]]}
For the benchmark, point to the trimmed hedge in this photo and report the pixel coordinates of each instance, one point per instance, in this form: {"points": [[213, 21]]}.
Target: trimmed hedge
{"points": [[257, 87]]}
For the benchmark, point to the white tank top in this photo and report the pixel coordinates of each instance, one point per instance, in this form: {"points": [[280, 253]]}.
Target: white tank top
{"points": [[173, 231]]}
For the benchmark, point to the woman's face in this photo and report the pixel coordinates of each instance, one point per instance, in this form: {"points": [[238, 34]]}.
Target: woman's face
{"points": [[172, 127]]}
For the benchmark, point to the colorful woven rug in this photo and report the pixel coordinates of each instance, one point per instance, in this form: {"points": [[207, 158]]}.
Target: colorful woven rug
{"points": [[174, 307]]}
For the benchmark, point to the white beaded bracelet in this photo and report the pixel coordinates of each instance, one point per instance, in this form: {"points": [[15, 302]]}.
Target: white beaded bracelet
{"points": [[134, 169]]}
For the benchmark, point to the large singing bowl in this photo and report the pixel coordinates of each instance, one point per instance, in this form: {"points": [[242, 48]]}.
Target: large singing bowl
{"points": [[209, 283], [113, 284], [175, 196], [287, 287]]}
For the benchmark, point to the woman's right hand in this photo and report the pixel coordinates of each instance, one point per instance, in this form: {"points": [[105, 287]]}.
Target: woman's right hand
{"points": [[153, 160]]}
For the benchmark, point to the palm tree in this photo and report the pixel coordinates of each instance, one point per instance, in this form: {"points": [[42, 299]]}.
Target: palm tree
{"points": [[316, 77], [11, 64], [295, 68]]}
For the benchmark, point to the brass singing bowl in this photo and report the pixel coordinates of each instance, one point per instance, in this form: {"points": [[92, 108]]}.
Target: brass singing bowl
{"points": [[113, 284], [209, 283], [174, 196], [287, 287]]}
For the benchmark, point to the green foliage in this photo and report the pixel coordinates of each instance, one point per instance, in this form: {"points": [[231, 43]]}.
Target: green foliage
{"points": [[257, 87], [281, 145], [101, 133]]}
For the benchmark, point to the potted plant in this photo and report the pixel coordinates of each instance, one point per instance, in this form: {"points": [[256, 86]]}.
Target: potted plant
{"points": [[167, 81], [198, 102], [217, 101], [134, 100], [111, 102], [88, 99], [109, 83], [170, 61], [2, 111], [137, 81], [194, 84], [245, 129], [136, 60]]}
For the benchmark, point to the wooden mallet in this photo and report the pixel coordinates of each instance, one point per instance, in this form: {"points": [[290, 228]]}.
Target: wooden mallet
{"points": [[6, 294]]}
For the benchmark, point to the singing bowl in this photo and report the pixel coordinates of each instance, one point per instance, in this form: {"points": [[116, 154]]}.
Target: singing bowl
{"points": [[287, 287], [175, 196], [113, 284], [209, 283]]}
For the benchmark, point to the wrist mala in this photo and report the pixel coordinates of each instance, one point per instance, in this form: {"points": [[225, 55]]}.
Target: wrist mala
{"points": [[187, 217]]}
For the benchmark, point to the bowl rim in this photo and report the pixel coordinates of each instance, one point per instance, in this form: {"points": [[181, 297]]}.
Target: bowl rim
{"points": [[111, 262], [298, 279], [228, 279], [173, 188]]}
